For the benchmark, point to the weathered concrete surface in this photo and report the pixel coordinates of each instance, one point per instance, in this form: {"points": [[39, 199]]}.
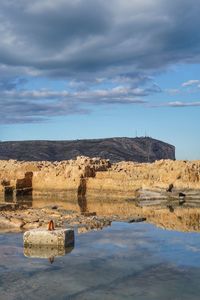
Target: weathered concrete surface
{"points": [[42, 237]]}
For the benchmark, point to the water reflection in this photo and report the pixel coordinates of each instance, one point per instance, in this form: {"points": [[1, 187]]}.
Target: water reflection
{"points": [[82, 202], [125, 261], [9, 194], [176, 218], [47, 252]]}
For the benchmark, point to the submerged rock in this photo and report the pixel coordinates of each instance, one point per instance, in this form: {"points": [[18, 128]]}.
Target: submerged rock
{"points": [[137, 220]]}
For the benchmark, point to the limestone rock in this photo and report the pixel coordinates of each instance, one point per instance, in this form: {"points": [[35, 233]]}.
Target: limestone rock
{"points": [[94, 177], [7, 223]]}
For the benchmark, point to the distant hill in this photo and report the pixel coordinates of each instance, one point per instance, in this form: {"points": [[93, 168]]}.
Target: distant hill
{"points": [[140, 149]]}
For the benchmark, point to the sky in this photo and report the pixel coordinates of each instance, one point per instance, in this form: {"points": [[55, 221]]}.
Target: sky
{"points": [[75, 69]]}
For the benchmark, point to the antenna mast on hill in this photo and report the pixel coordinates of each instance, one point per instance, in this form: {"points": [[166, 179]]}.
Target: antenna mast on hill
{"points": [[149, 150]]}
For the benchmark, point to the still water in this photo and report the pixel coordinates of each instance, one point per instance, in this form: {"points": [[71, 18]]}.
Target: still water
{"points": [[124, 261]]}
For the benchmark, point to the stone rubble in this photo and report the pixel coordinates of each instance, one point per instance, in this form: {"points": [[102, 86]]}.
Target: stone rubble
{"points": [[25, 219]]}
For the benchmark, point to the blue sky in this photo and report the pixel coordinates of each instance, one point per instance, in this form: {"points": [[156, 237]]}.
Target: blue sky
{"points": [[95, 68]]}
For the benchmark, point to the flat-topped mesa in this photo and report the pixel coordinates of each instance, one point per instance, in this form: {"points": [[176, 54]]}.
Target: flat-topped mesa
{"points": [[99, 178], [140, 149]]}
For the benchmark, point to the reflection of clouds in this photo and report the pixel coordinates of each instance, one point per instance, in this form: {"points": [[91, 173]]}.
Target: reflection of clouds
{"points": [[193, 248], [5, 251], [115, 243], [155, 282], [121, 262]]}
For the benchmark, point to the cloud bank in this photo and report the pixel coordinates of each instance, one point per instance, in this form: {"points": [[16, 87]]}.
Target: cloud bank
{"points": [[106, 51]]}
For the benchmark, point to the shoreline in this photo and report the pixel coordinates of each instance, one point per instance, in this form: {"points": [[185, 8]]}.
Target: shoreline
{"points": [[20, 220]]}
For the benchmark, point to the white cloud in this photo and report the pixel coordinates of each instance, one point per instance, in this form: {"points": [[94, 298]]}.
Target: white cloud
{"points": [[191, 82], [39, 105], [182, 104], [173, 91]]}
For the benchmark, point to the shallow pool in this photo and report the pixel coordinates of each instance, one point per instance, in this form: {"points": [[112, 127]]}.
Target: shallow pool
{"points": [[124, 261]]}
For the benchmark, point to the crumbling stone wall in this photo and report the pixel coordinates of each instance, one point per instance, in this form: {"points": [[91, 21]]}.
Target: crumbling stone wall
{"points": [[97, 177]]}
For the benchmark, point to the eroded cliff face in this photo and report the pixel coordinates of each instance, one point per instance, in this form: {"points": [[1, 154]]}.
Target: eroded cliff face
{"points": [[164, 179], [129, 178]]}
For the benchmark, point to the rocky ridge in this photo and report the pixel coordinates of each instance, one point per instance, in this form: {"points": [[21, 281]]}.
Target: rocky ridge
{"points": [[140, 149]]}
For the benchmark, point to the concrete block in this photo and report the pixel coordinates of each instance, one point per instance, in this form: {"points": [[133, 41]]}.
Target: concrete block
{"points": [[42, 237]]}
